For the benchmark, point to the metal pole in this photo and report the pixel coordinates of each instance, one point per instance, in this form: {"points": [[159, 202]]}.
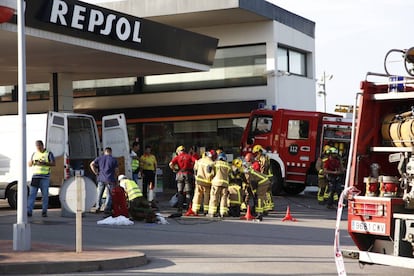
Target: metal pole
{"points": [[21, 230], [79, 209]]}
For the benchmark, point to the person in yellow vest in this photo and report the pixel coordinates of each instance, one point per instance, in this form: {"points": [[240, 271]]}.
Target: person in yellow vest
{"points": [[264, 162], [134, 160], [219, 187], [148, 167], [41, 161], [323, 193], [203, 169], [138, 206]]}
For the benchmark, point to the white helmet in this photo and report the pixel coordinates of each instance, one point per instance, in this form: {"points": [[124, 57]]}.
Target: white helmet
{"points": [[121, 176]]}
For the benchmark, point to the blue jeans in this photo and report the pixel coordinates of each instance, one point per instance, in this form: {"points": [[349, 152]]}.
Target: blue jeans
{"points": [[108, 202], [44, 188]]}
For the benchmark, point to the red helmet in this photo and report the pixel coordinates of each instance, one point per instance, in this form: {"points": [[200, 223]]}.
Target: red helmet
{"points": [[249, 157]]}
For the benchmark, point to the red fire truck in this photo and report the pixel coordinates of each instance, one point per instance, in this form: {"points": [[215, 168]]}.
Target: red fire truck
{"points": [[293, 141], [381, 216]]}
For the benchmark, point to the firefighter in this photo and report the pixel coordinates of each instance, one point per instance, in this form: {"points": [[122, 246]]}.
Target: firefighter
{"points": [[204, 173], [249, 196], [259, 183], [264, 163], [183, 164], [323, 193], [333, 169], [236, 181], [219, 187], [138, 205]]}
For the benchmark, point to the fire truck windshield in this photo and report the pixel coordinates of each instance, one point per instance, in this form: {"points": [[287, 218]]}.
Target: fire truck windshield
{"points": [[261, 125]]}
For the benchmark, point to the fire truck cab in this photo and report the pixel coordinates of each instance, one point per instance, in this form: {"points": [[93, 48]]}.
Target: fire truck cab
{"points": [[381, 215], [293, 141]]}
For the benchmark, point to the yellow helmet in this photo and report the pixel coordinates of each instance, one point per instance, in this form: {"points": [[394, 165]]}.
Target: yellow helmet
{"points": [[237, 162], [257, 148], [180, 148], [326, 148], [333, 150]]}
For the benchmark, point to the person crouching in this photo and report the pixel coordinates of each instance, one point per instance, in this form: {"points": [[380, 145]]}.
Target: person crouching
{"points": [[138, 206]]}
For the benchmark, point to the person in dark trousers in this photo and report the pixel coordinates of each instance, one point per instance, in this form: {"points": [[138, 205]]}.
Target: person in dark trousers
{"points": [[105, 167], [148, 167], [333, 169], [41, 161]]}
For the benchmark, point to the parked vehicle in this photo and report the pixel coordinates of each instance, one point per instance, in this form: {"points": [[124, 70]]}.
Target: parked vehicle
{"points": [[294, 140], [381, 215], [72, 138]]}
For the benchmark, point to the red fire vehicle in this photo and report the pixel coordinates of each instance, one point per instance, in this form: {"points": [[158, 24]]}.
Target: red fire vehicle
{"points": [[293, 141], [381, 216]]}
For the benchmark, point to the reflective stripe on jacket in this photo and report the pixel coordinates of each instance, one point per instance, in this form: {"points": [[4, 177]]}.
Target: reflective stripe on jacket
{"points": [[222, 170]]}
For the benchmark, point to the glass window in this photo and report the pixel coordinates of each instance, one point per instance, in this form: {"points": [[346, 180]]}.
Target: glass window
{"points": [[298, 129], [291, 61], [282, 59], [261, 125], [232, 67]]}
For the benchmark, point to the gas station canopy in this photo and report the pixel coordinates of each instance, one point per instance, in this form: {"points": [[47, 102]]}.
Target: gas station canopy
{"points": [[91, 42]]}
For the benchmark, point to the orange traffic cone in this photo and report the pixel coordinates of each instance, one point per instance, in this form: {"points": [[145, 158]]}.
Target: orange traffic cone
{"points": [[288, 216], [248, 215], [190, 211]]}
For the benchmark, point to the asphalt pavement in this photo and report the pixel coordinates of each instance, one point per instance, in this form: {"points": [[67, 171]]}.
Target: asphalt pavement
{"points": [[187, 245]]}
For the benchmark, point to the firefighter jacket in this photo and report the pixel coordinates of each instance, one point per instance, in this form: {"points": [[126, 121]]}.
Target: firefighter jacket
{"points": [[204, 171], [236, 178], [257, 180], [320, 165], [132, 189], [38, 169], [221, 174]]}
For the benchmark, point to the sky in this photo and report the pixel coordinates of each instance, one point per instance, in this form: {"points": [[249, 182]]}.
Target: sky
{"points": [[352, 38]]}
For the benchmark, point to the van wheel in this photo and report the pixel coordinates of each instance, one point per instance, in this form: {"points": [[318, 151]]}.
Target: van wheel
{"points": [[12, 196], [277, 180], [294, 188]]}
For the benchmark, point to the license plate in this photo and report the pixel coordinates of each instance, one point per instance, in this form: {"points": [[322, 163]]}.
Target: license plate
{"points": [[368, 227]]}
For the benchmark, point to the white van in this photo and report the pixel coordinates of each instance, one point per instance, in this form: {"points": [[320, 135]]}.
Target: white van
{"points": [[72, 138]]}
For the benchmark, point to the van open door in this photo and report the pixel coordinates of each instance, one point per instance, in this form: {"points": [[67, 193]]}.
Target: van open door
{"points": [[115, 135]]}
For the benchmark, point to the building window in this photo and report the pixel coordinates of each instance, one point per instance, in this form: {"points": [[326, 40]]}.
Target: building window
{"points": [[233, 67], [291, 61]]}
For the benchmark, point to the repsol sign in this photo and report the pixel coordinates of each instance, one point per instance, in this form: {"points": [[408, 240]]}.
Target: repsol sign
{"points": [[87, 19], [90, 22]]}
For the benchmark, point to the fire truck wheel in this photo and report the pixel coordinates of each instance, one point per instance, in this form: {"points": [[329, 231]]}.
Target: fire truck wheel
{"points": [[277, 180], [294, 188]]}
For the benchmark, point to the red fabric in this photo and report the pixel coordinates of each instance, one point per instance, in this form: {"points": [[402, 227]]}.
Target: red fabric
{"points": [[119, 203], [256, 166], [184, 161], [332, 164]]}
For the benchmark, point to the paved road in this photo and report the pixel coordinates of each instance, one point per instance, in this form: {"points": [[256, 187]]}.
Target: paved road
{"points": [[201, 246]]}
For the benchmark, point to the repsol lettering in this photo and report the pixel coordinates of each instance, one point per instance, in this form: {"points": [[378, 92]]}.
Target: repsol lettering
{"points": [[95, 21]]}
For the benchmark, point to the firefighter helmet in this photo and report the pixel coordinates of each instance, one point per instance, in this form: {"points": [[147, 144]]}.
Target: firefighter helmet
{"points": [[180, 148], [333, 150], [249, 157], [222, 156], [257, 148], [237, 162], [326, 148]]}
